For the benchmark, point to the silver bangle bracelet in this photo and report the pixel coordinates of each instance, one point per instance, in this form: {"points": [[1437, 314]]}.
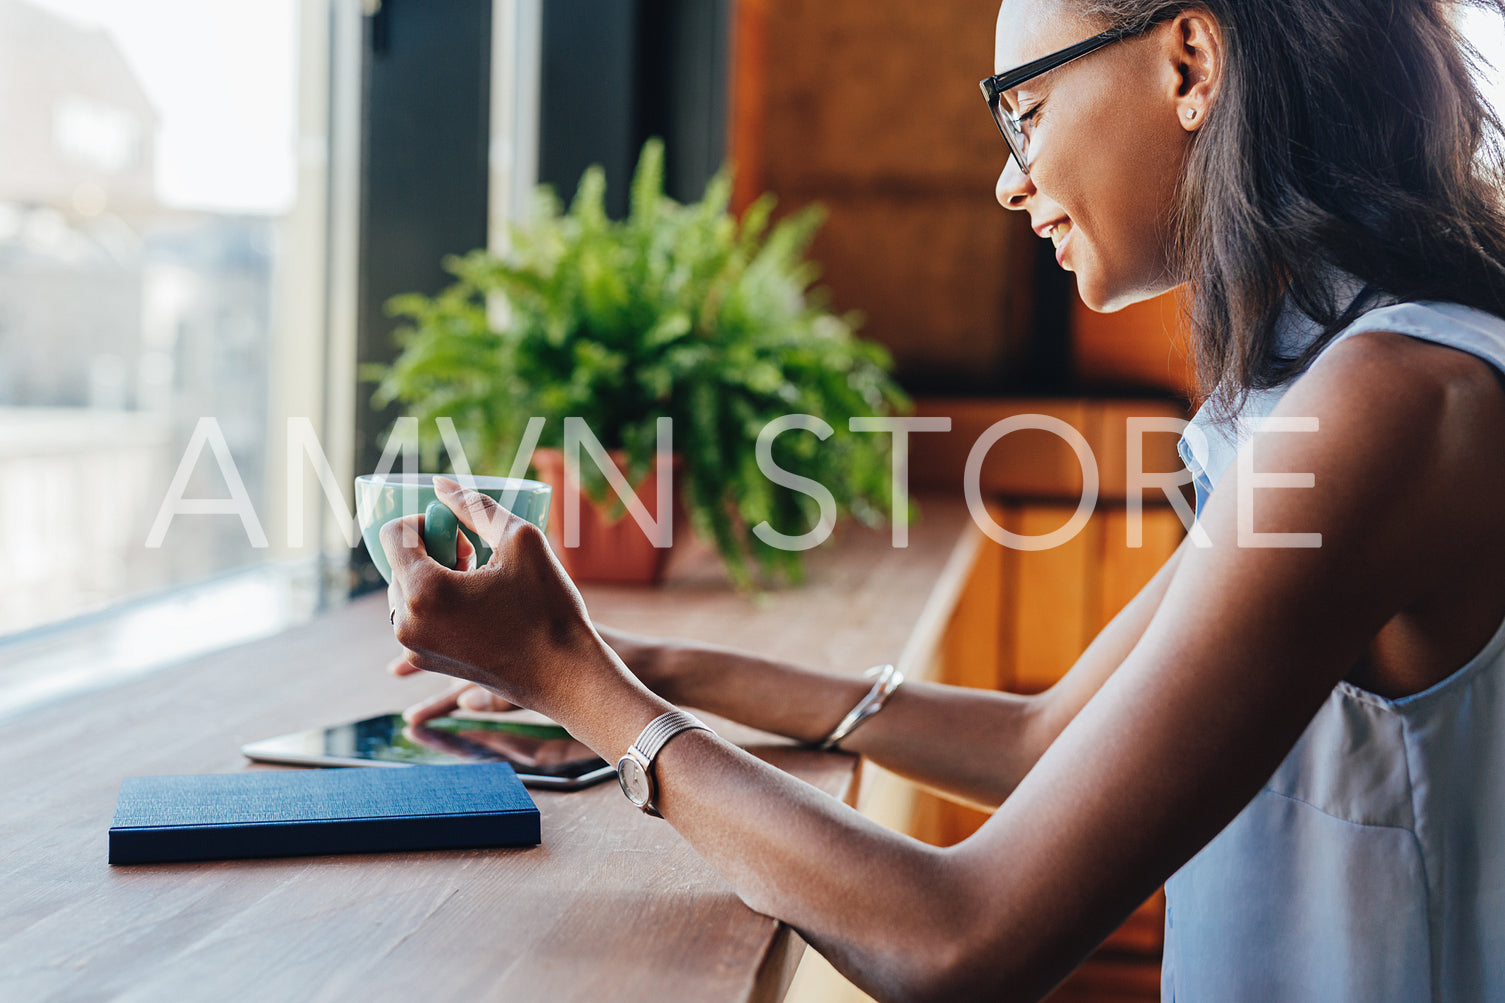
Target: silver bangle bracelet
{"points": [[888, 680]]}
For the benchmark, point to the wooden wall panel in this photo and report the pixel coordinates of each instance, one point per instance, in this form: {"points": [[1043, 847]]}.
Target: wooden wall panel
{"points": [[1051, 605], [972, 648], [1123, 570], [879, 93], [1141, 346], [871, 107], [934, 277], [1036, 464], [1027, 463], [1110, 442], [1056, 601], [747, 100]]}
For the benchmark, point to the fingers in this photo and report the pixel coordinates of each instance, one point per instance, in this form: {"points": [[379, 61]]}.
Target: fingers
{"points": [[436, 706], [402, 540], [405, 664], [485, 517], [478, 698], [467, 554], [400, 666], [395, 604]]}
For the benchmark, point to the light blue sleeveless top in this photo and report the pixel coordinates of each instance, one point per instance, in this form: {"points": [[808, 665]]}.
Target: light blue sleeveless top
{"points": [[1371, 867]]}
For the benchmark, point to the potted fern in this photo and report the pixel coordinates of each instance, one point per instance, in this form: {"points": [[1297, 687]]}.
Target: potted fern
{"points": [[678, 311]]}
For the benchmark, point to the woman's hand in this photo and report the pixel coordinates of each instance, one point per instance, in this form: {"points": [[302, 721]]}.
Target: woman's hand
{"points": [[460, 696], [643, 656], [516, 626]]}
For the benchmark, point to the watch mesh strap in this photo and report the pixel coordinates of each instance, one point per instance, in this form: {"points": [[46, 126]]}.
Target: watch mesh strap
{"points": [[663, 728]]}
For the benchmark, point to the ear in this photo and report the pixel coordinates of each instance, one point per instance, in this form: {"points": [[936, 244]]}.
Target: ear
{"points": [[1196, 41]]}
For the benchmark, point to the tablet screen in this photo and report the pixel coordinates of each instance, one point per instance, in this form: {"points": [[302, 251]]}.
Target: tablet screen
{"points": [[543, 754]]}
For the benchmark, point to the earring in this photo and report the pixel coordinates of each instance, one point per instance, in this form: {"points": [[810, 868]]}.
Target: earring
{"points": [[1191, 113]]}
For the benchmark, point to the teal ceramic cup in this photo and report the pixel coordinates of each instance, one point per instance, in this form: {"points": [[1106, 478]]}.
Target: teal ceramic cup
{"points": [[380, 498]]}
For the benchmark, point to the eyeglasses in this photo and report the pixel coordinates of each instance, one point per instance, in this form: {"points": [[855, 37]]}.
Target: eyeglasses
{"points": [[1016, 129]]}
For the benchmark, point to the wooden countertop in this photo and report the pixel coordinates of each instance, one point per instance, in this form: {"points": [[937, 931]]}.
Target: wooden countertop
{"points": [[612, 905]]}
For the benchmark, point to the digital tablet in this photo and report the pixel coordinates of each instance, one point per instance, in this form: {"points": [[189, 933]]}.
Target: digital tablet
{"points": [[543, 754]]}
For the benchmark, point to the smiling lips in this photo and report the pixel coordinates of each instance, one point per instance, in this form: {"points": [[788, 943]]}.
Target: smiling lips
{"points": [[1057, 230]]}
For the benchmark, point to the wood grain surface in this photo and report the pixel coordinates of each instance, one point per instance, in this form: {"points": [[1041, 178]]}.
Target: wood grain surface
{"points": [[613, 905]]}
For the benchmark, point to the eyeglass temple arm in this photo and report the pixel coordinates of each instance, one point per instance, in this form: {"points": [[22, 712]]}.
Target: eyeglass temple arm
{"points": [[1005, 81]]}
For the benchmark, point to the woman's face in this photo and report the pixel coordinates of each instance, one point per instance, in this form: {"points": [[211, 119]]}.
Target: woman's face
{"points": [[1106, 150]]}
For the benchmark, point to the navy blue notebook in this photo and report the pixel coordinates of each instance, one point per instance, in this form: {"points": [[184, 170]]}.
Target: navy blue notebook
{"points": [[292, 812]]}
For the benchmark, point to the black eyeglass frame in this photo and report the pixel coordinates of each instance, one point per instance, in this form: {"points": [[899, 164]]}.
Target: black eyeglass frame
{"points": [[993, 87]]}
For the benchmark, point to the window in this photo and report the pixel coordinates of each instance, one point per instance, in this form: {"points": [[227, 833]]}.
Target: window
{"points": [[171, 250], [1485, 29]]}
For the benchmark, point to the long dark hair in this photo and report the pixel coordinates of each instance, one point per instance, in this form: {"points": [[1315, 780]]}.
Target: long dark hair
{"points": [[1348, 135]]}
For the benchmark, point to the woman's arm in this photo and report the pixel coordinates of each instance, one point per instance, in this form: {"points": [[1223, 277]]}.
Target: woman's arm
{"points": [[1246, 644], [968, 743]]}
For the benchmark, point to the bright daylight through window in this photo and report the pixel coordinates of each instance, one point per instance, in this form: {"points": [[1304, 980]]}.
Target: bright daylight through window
{"points": [[163, 258], [1485, 30]]}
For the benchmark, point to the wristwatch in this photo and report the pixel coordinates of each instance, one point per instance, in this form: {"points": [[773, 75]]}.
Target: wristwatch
{"points": [[635, 770]]}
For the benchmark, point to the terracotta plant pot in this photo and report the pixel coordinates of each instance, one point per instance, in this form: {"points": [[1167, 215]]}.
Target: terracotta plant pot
{"points": [[609, 551]]}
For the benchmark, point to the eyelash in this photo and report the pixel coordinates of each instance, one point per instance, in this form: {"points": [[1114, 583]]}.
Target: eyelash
{"points": [[1029, 115]]}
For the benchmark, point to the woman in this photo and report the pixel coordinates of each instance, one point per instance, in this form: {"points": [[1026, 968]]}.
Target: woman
{"points": [[1310, 738]]}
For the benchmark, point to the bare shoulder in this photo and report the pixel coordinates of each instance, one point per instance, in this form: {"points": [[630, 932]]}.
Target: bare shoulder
{"points": [[1407, 444], [1418, 402], [1422, 381]]}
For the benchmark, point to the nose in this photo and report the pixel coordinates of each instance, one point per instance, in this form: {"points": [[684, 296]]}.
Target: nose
{"points": [[1014, 186]]}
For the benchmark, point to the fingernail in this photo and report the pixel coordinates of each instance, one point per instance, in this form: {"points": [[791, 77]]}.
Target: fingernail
{"points": [[447, 485], [473, 701]]}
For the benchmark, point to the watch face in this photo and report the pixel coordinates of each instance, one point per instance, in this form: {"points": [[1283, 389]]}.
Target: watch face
{"points": [[634, 781]]}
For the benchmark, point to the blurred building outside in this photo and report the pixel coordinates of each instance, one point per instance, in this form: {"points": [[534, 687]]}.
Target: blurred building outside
{"points": [[125, 316]]}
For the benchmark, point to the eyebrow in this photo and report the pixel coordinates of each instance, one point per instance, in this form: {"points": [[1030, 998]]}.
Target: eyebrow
{"points": [[1028, 85]]}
